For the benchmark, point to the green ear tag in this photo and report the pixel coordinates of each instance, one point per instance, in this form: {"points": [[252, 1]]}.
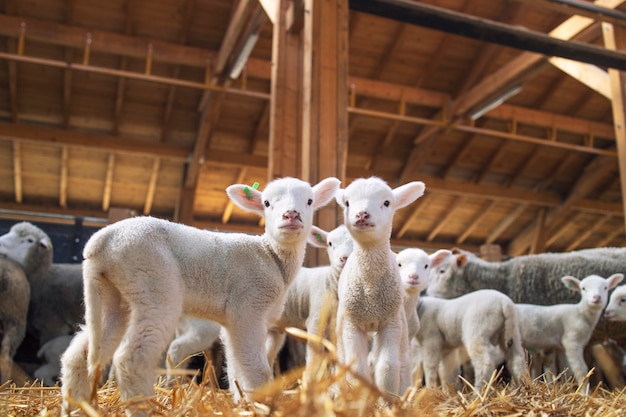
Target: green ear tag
{"points": [[319, 238], [570, 284], [247, 190]]}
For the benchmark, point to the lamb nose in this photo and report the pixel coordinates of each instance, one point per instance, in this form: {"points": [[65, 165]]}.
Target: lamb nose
{"points": [[291, 214], [363, 215]]}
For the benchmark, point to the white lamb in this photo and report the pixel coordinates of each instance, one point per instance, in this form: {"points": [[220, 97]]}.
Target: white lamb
{"points": [[370, 289], [482, 324], [415, 265], [314, 292], [567, 327], [193, 335], [50, 355], [616, 308], [141, 274]]}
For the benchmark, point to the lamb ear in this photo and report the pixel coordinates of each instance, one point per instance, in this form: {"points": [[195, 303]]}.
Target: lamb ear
{"points": [[461, 260], [438, 257], [317, 237], [246, 197], [571, 283], [45, 243], [408, 193], [324, 191], [339, 197], [614, 280]]}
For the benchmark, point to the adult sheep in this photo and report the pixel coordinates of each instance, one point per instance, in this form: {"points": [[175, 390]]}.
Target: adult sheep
{"points": [[14, 298], [141, 275], [531, 279], [56, 300]]}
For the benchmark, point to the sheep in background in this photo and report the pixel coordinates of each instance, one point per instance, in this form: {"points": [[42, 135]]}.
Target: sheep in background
{"points": [[14, 299], [313, 293], [50, 355], [567, 327], [483, 324], [530, 279], [370, 290], [56, 300], [616, 308], [141, 274]]}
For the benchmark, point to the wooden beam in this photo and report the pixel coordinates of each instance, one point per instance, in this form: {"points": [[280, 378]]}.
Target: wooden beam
{"points": [[480, 215], [581, 8], [538, 244], [426, 15], [455, 203], [615, 38], [235, 27], [154, 177], [588, 232], [17, 171], [108, 183], [63, 177], [593, 77], [418, 207], [505, 223]]}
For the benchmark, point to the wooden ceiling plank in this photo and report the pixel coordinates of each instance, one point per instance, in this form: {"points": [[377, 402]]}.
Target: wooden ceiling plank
{"points": [[260, 125], [480, 176], [538, 244], [17, 171], [108, 183], [12, 79], [615, 39], [556, 232], [119, 98], [418, 207], [593, 77], [519, 172], [228, 210], [455, 203], [154, 177], [233, 31], [475, 221], [67, 90], [505, 223], [91, 140], [63, 177], [617, 231], [588, 232]]}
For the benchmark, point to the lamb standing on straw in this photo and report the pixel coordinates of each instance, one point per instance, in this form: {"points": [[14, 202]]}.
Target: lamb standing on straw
{"points": [[370, 290], [141, 275]]}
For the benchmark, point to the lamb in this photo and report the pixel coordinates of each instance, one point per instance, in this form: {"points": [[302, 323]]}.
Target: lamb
{"points": [[370, 290], [415, 265], [141, 274], [14, 299], [193, 335], [56, 304], [314, 292], [616, 308], [483, 324], [567, 327], [530, 279], [50, 355]]}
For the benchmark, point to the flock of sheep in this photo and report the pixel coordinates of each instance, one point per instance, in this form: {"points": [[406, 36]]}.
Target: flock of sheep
{"points": [[151, 286]]}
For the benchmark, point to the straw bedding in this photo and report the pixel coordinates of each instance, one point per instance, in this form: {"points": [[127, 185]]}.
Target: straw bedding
{"points": [[322, 395]]}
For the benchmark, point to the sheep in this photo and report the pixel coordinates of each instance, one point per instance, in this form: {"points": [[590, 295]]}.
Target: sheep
{"points": [[616, 308], [415, 265], [531, 279], [192, 335], [50, 355], [483, 324], [567, 327], [14, 299], [141, 274], [314, 292], [370, 290], [56, 304]]}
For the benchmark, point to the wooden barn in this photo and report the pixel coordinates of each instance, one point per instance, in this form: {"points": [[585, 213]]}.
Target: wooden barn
{"points": [[510, 111]]}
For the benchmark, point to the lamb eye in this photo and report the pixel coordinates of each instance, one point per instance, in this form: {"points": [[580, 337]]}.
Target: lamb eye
{"points": [[425, 266], [30, 240], [330, 243], [267, 203], [399, 265], [347, 204], [386, 203], [310, 201]]}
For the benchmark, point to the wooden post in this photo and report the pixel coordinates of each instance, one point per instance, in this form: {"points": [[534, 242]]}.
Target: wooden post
{"points": [[325, 102], [615, 39]]}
